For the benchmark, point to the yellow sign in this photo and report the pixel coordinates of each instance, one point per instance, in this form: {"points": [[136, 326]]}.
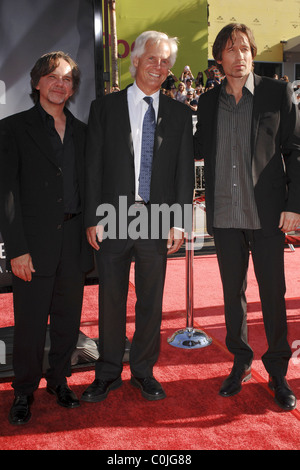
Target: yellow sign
{"points": [[272, 21], [186, 20]]}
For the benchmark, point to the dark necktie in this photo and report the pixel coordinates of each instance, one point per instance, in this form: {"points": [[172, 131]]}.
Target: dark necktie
{"points": [[147, 151]]}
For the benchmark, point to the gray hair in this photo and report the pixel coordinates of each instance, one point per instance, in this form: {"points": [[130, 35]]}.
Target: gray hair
{"points": [[156, 37]]}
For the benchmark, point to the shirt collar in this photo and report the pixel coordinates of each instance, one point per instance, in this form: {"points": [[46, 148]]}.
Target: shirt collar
{"points": [[249, 85], [139, 95], [42, 112], [46, 115]]}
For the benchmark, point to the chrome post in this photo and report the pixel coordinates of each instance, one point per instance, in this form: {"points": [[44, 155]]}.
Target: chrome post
{"points": [[189, 338]]}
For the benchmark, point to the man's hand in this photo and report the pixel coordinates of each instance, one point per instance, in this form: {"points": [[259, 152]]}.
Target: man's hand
{"points": [[22, 267], [93, 234], [289, 221], [175, 240]]}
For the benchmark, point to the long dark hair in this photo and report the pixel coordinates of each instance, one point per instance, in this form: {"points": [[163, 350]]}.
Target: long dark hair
{"points": [[47, 64], [229, 33]]}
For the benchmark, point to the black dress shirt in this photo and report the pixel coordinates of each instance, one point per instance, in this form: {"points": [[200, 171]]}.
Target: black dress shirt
{"points": [[65, 154]]}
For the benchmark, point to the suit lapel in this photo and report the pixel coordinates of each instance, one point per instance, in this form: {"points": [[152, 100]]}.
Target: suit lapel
{"points": [[79, 143], [211, 112], [162, 122], [125, 121], [214, 105], [257, 163]]}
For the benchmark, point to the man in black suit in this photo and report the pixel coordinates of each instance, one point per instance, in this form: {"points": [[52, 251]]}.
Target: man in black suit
{"points": [[114, 167], [42, 166], [248, 134]]}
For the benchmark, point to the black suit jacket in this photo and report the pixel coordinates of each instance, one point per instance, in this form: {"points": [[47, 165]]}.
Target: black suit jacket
{"points": [[31, 189], [110, 157], [275, 149]]}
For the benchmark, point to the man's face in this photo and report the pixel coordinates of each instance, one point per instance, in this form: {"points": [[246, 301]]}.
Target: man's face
{"points": [[56, 87], [152, 67], [237, 57]]}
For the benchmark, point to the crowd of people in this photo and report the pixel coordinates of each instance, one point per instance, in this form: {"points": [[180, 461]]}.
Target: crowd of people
{"points": [[188, 89]]}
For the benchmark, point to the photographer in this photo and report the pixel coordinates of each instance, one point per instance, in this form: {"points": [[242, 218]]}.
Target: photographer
{"points": [[186, 74], [191, 102]]}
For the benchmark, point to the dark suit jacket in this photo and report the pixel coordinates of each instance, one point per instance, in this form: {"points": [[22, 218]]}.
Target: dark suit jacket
{"points": [[31, 190], [275, 134], [110, 159]]}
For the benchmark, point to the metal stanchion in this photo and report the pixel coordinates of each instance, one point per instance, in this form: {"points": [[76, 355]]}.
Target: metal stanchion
{"points": [[189, 338], [291, 247]]}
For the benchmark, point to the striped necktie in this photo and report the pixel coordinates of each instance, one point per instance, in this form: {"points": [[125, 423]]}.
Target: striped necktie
{"points": [[147, 151]]}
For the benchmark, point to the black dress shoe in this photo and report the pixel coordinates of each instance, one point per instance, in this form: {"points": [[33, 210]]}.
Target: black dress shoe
{"points": [[233, 384], [20, 410], [99, 389], [64, 396], [150, 387], [284, 397]]}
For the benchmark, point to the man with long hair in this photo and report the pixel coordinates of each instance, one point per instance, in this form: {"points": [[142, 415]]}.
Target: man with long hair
{"points": [[248, 134]]}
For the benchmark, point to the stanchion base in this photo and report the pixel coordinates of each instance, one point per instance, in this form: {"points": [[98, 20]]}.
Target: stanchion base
{"points": [[189, 339]]}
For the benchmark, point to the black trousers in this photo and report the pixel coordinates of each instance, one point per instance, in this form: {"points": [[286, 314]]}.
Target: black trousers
{"points": [[114, 268], [233, 247], [59, 297]]}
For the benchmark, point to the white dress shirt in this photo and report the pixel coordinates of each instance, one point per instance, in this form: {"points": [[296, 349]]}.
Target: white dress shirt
{"points": [[137, 108]]}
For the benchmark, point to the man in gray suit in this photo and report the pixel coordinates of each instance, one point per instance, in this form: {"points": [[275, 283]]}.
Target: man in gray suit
{"points": [[248, 134], [115, 162]]}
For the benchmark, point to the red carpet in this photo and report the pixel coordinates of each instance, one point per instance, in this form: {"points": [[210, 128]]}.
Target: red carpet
{"points": [[193, 416]]}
